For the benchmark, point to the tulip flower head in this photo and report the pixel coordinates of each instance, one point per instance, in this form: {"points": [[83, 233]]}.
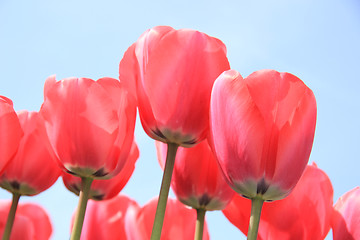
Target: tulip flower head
{"points": [[34, 167], [262, 129], [91, 128], [172, 72], [90, 124]]}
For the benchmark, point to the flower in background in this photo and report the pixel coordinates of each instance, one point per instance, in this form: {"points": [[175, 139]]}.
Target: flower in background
{"points": [[179, 222], [197, 180], [106, 219], [304, 214], [31, 222], [346, 216]]}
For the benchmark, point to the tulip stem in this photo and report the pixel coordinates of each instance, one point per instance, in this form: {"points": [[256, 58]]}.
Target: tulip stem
{"points": [[164, 191], [256, 205], [80, 212], [11, 216], [199, 229]]}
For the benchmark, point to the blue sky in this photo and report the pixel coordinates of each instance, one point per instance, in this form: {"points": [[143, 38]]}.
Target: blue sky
{"points": [[316, 40]]}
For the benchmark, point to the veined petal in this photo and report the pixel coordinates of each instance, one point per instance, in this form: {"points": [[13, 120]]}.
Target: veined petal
{"points": [[293, 148], [237, 129]]}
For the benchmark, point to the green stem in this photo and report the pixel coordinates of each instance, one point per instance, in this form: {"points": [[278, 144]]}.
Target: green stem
{"points": [[256, 205], [11, 216], [199, 229], [164, 191], [80, 212]]}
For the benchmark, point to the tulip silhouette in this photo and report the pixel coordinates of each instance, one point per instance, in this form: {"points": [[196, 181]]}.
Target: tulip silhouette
{"points": [[10, 131], [304, 214], [346, 216], [171, 72], [104, 189], [91, 128], [262, 129], [179, 223], [33, 168]]}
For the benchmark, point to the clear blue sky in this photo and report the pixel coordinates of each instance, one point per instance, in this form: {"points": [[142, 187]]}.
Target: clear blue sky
{"points": [[319, 41]]}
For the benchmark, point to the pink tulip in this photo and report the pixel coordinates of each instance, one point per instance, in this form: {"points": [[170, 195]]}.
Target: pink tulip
{"points": [[179, 223], [34, 167], [262, 129], [31, 222], [90, 124], [104, 189], [106, 219], [10, 131], [197, 180], [172, 72], [304, 214], [346, 216]]}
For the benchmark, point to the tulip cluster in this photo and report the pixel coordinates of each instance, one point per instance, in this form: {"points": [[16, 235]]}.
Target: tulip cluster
{"points": [[240, 145]]}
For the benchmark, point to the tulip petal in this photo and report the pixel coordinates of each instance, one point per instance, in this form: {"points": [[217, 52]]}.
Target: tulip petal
{"points": [[245, 137], [10, 131], [346, 216]]}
